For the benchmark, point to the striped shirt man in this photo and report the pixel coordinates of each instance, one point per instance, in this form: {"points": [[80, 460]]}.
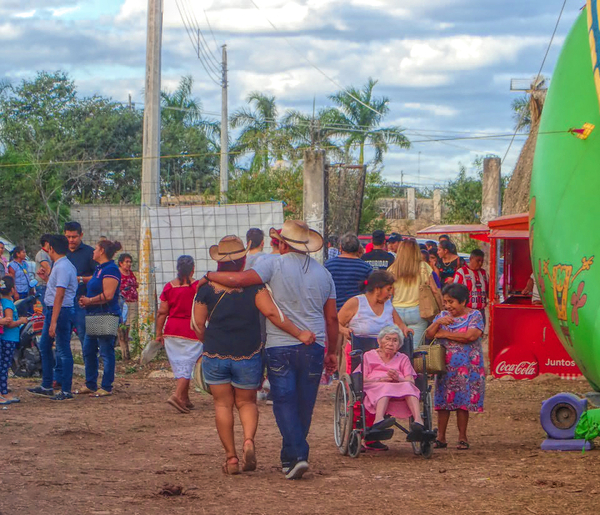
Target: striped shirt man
{"points": [[347, 273], [477, 282]]}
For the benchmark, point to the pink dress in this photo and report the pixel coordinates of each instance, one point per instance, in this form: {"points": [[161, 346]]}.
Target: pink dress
{"points": [[376, 368]]}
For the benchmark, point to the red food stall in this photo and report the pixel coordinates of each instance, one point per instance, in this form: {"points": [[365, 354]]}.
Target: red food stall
{"points": [[522, 342]]}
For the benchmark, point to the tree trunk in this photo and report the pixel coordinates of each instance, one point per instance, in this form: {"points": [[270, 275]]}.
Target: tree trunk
{"points": [[123, 335]]}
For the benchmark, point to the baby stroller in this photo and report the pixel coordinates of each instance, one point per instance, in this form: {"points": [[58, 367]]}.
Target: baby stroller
{"points": [[349, 430]]}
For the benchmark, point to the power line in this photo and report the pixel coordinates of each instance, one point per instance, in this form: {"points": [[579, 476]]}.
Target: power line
{"points": [[206, 46], [211, 31], [207, 154], [337, 84], [202, 47], [538, 76], [206, 68]]}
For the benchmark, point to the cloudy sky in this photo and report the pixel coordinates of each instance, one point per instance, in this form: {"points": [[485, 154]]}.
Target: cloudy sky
{"points": [[446, 65]]}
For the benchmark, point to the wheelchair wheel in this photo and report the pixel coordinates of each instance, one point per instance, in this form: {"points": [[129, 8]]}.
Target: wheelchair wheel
{"points": [[343, 415], [426, 449], [354, 444]]}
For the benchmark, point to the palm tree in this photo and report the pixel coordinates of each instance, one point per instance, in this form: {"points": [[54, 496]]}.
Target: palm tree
{"points": [[306, 131], [180, 106], [261, 134], [359, 125]]}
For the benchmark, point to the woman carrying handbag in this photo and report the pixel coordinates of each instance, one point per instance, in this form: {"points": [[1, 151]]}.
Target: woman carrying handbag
{"points": [[101, 320], [415, 292]]}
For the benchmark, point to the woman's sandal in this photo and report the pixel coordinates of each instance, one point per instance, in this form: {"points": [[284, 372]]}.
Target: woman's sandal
{"points": [[173, 401], [249, 456], [463, 446], [100, 393], [84, 391], [189, 405], [440, 445], [231, 467]]}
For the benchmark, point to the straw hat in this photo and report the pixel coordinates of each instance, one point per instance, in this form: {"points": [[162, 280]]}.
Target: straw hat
{"points": [[298, 236], [230, 248]]}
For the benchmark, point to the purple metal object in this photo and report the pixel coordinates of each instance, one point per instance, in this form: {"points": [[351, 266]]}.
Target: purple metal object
{"points": [[560, 414], [566, 445]]}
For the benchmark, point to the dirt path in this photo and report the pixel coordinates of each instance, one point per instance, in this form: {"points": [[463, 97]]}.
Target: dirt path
{"points": [[112, 456]]}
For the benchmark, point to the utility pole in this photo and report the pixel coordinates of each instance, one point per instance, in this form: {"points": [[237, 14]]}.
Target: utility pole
{"points": [[150, 168], [224, 130]]}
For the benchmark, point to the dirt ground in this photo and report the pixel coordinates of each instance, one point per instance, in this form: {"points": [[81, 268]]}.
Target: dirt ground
{"points": [[113, 455]]}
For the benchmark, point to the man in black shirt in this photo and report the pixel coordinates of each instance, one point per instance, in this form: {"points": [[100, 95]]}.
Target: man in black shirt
{"points": [[379, 258], [80, 255]]}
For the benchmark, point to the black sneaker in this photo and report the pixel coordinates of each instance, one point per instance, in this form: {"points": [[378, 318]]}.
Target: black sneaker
{"points": [[62, 396], [297, 470], [375, 446], [41, 391]]}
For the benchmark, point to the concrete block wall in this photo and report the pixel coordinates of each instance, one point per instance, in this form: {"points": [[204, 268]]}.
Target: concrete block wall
{"points": [[116, 222]]}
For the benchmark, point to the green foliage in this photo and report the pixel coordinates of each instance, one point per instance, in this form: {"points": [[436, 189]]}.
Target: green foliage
{"points": [[375, 189], [522, 113], [360, 125], [463, 199], [284, 184]]}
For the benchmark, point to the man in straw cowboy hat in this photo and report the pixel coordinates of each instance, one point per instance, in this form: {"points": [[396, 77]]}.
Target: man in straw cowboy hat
{"points": [[304, 291]]}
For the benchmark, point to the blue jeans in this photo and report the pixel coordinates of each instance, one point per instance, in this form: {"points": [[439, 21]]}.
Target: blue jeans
{"points": [[40, 291], [294, 373], [106, 346], [412, 318], [79, 325], [7, 351], [64, 357]]}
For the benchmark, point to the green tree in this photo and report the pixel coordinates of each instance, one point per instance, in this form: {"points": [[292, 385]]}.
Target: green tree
{"points": [[360, 126], [521, 113], [284, 184], [375, 189], [186, 133], [463, 199], [260, 134], [310, 132]]}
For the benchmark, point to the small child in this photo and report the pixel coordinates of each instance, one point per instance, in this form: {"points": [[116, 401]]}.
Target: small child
{"points": [[475, 278], [10, 336]]}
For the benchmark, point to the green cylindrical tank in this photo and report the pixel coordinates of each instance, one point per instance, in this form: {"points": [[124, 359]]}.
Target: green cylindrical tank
{"points": [[565, 197]]}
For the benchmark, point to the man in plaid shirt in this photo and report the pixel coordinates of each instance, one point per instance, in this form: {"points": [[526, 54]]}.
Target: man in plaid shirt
{"points": [[475, 278]]}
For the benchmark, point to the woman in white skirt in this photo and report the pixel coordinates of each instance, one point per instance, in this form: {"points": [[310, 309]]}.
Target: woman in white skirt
{"points": [[181, 343]]}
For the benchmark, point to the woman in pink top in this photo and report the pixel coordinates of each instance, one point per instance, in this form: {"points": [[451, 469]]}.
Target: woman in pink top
{"points": [[389, 380], [180, 341]]}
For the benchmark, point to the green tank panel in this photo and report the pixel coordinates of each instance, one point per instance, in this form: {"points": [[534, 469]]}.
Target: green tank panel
{"points": [[565, 198]]}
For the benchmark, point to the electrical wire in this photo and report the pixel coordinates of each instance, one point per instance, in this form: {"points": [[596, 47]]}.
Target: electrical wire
{"points": [[208, 154], [211, 31], [215, 64], [206, 68], [337, 84], [537, 78]]}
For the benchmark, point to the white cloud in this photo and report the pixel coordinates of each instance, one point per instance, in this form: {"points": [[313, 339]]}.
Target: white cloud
{"points": [[61, 11], [26, 14], [438, 110]]}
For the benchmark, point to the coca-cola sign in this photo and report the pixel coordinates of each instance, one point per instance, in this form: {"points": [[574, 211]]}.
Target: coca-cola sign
{"points": [[517, 362]]}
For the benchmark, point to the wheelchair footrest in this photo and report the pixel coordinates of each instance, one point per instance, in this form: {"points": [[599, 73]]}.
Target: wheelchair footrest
{"points": [[378, 435], [424, 436]]}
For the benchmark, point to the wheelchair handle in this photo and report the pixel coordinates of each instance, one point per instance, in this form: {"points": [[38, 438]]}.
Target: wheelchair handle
{"points": [[356, 352]]}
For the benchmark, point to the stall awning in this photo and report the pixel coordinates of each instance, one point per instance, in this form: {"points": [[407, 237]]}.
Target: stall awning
{"points": [[454, 229], [475, 231], [508, 234]]}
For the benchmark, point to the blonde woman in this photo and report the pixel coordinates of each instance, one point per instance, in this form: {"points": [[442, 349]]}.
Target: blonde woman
{"points": [[410, 272]]}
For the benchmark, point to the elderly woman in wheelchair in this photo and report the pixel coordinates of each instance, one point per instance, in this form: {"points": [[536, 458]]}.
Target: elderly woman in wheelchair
{"points": [[389, 382], [383, 387]]}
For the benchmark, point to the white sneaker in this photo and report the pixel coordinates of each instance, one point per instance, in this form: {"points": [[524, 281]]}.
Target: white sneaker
{"points": [[297, 470]]}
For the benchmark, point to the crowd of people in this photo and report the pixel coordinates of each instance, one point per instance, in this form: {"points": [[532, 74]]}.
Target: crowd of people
{"points": [[281, 312]]}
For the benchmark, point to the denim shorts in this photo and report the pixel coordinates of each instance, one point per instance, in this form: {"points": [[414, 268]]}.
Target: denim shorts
{"points": [[246, 374]]}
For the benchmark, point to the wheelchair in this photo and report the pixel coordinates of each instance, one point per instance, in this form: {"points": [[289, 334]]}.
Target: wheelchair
{"points": [[350, 429]]}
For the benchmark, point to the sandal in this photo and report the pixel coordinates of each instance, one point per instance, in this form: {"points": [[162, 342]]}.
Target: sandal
{"points": [[440, 445], [84, 391], [249, 456], [101, 393], [463, 446], [174, 401], [190, 406], [231, 467]]}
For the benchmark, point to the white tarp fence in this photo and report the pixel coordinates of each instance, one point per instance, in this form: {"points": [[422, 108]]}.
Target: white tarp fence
{"points": [[192, 230]]}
